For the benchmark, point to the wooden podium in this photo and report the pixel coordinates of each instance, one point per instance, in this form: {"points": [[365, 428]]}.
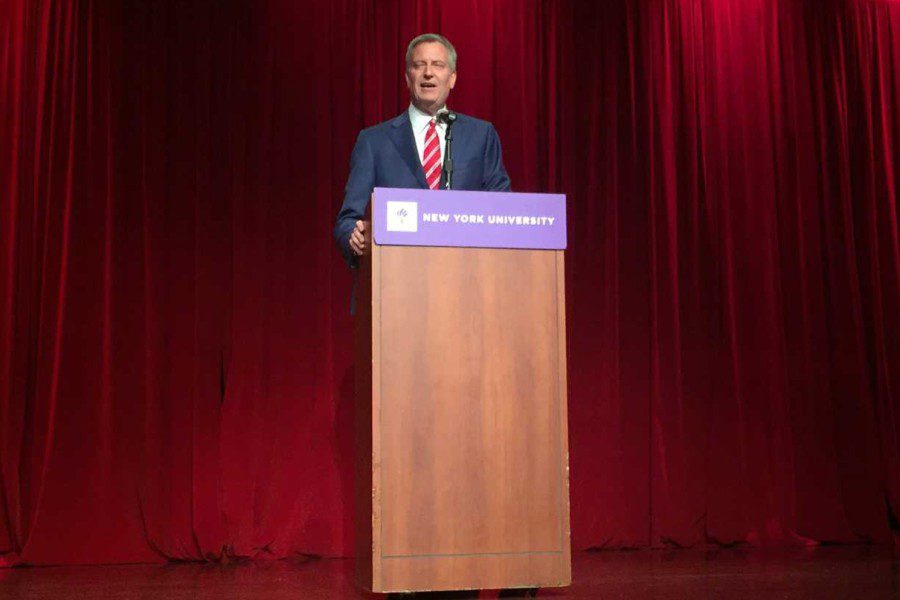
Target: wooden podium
{"points": [[462, 453]]}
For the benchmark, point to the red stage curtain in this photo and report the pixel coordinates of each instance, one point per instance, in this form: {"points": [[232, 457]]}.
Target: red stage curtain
{"points": [[175, 365]]}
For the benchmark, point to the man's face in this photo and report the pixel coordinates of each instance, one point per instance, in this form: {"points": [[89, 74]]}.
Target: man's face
{"points": [[429, 77]]}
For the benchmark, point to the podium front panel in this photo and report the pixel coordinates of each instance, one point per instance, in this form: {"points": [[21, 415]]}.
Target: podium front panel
{"points": [[469, 453]]}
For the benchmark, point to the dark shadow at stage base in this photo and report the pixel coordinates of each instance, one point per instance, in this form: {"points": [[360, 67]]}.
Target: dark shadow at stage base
{"points": [[837, 572]]}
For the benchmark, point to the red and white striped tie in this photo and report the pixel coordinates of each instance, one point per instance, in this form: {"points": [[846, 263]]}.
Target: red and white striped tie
{"points": [[432, 161]]}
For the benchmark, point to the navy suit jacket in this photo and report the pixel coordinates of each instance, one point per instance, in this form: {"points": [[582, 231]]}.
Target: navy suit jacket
{"points": [[385, 155]]}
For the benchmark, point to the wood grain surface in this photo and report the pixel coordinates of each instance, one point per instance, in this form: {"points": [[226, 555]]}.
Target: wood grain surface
{"points": [[469, 449]]}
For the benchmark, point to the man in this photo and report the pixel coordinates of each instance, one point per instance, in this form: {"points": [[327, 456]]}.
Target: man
{"points": [[408, 151]]}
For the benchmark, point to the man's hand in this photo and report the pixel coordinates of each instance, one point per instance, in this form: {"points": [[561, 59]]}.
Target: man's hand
{"points": [[360, 242]]}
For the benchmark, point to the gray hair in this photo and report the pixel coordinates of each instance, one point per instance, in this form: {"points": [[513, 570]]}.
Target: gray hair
{"points": [[432, 37]]}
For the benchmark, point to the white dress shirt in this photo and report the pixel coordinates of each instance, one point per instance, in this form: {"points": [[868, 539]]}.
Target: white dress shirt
{"points": [[419, 121]]}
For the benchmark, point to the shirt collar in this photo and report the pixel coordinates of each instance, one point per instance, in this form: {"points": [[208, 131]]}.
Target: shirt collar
{"points": [[419, 119]]}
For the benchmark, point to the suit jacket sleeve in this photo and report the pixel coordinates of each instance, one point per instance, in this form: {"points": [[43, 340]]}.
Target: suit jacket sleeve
{"points": [[495, 177], [360, 184]]}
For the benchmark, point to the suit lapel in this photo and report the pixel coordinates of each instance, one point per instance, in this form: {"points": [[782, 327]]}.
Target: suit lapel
{"points": [[402, 137]]}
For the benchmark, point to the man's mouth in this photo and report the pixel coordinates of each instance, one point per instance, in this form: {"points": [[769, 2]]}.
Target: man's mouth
{"points": [[426, 84]]}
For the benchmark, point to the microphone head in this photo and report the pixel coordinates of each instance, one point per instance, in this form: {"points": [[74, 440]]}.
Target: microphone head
{"points": [[447, 117]]}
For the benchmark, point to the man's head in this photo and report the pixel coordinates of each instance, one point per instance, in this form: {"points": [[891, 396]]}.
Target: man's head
{"points": [[430, 71]]}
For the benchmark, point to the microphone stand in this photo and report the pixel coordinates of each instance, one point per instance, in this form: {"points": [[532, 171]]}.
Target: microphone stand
{"points": [[449, 119]]}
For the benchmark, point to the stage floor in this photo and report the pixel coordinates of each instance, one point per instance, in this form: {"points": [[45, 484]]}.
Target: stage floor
{"points": [[862, 572]]}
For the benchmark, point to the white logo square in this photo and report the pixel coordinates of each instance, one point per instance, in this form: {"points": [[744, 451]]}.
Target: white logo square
{"points": [[402, 216]]}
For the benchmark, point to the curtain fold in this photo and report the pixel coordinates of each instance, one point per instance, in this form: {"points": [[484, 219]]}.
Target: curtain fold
{"points": [[175, 344]]}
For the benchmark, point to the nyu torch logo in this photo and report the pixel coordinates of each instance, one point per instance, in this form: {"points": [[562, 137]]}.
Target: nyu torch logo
{"points": [[402, 216]]}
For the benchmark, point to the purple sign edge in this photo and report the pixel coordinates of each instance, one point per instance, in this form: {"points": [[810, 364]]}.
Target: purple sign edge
{"points": [[558, 237]]}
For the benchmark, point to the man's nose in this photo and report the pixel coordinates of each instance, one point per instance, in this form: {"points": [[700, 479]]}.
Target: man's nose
{"points": [[427, 72]]}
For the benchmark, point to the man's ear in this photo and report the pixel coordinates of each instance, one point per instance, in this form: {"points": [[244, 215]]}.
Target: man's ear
{"points": [[452, 79]]}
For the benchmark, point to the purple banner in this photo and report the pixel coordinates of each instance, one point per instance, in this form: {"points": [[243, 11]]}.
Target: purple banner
{"points": [[413, 217]]}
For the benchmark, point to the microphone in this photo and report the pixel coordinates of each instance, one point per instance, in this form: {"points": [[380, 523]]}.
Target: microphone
{"points": [[448, 118]]}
